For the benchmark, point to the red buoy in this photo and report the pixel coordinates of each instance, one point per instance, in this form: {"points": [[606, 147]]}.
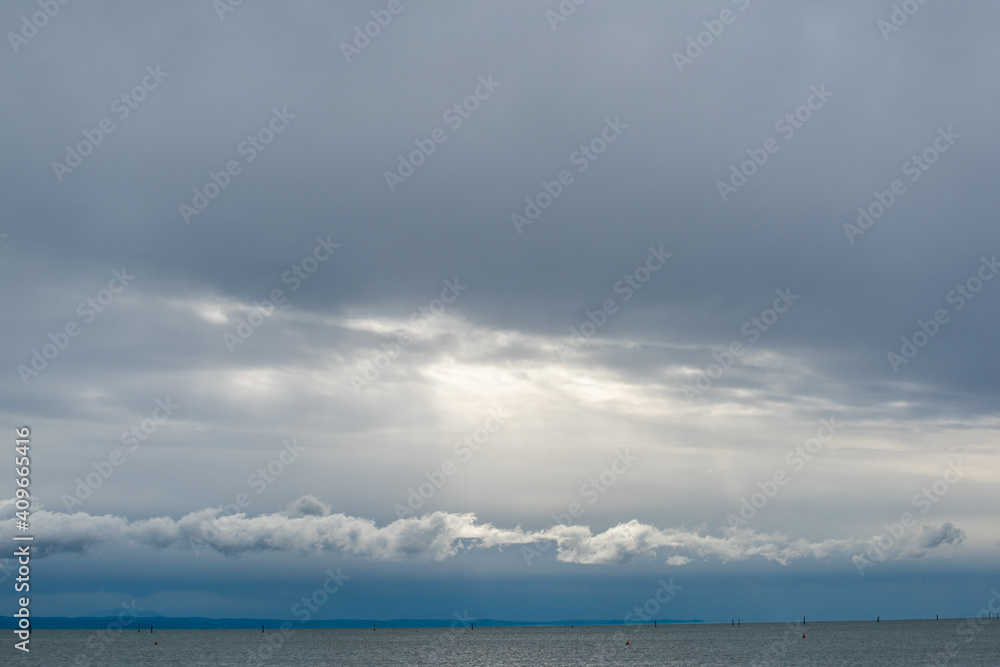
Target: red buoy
{"points": [[626, 642], [803, 636]]}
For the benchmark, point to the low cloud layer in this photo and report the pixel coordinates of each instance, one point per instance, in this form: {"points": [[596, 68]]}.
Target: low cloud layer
{"points": [[308, 525]]}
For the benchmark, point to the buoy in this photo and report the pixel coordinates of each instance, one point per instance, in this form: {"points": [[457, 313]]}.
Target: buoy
{"points": [[803, 636], [154, 643], [626, 642]]}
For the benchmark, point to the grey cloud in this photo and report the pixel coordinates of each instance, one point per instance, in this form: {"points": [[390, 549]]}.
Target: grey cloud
{"points": [[933, 536], [307, 506], [324, 176]]}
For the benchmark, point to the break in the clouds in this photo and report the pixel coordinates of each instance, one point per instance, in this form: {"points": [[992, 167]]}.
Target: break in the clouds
{"points": [[708, 287]]}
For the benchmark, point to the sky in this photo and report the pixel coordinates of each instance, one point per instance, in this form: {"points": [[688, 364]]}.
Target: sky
{"points": [[523, 311]]}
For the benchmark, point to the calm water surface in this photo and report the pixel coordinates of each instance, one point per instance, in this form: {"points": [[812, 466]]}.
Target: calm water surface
{"points": [[890, 643]]}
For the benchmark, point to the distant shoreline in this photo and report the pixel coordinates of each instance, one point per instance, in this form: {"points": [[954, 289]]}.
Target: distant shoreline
{"points": [[200, 623]]}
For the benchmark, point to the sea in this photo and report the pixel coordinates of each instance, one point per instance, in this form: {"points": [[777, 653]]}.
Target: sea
{"points": [[951, 642]]}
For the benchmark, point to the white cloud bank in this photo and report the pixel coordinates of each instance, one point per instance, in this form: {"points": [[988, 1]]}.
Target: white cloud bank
{"points": [[308, 525]]}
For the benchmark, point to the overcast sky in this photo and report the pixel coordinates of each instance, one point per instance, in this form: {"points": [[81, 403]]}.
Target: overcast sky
{"points": [[503, 307]]}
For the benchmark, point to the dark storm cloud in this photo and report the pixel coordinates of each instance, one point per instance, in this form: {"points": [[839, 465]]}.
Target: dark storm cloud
{"points": [[657, 185]]}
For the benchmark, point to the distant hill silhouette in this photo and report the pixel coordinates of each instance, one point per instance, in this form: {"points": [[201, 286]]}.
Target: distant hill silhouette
{"points": [[193, 623]]}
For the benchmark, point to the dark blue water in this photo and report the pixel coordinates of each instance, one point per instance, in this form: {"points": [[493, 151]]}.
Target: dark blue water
{"points": [[890, 643]]}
